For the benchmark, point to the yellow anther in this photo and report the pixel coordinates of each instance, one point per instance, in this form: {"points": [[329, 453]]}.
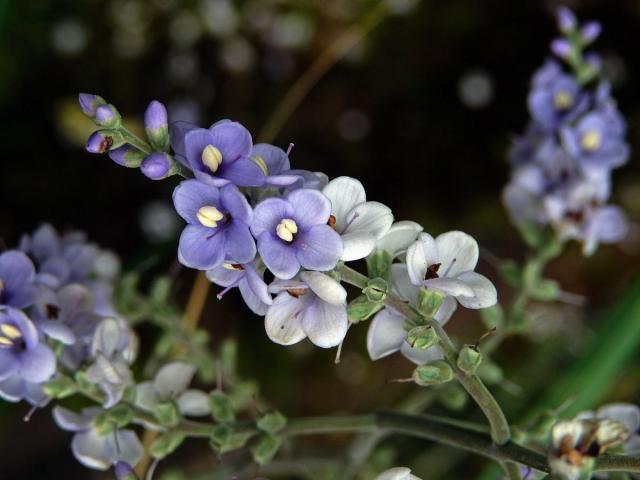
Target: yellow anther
{"points": [[10, 331], [591, 140], [209, 216], [261, 163], [563, 100], [286, 229], [211, 157], [5, 341]]}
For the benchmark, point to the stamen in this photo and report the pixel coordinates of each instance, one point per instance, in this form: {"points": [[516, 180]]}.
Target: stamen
{"points": [[432, 271], [5, 342], [291, 145], [332, 221], [591, 141], [212, 158], [450, 266], [10, 331], [296, 292], [32, 410], [209, 216], [261, 163], [563, 100], [286, 229], [233, 266]]}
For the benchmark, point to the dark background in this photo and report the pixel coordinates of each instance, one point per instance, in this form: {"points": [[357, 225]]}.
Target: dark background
{"points": [[392, 116]]}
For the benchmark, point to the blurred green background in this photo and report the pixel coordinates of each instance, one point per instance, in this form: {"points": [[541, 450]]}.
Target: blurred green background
{"points": [[422, 112]]}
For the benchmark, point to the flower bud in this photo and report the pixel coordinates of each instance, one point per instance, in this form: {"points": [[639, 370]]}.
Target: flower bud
{"points": [[376, 289], [157, 166], [589, 32], [429, 302], [124, 471], [127, 156], [166, 444], [379, 264], [60, 387], [102, 141], [272, 422], [566, 20], [167, 414], [89, 103], [561, 48], [422, 337], [107, 116], [361, 308], [156, 124], [433, 373], [221, 407], [266, 449], [469, 359]]}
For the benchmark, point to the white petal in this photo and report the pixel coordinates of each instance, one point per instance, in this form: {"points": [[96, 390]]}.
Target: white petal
{"points": [[484, 292], [401, 284], [398, 473], [71, 421], [128, 448], [194, 403], [325, 287], [106, 338], [450, 286], [92, 450], [421, 356], [146, 397], [325, 324], [420, 255], [279, 286], [458, 253], [371, 217], [399, 237], [446, 310], [173, 379], [357, 245], [282, 321], [625, 413], [255, 304], [345, 193], [386, 334]]}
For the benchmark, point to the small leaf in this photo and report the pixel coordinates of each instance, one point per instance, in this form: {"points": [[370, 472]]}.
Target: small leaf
{"points": [[166, 444], [272, 422], [221, 407], [60, 387]]}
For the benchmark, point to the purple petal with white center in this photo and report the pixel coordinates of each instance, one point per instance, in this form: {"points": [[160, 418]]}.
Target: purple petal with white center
{"points": [[450, 286], [190, 195], [458, 253], [345, 193], [283, 320], [232, 139], [421, 255], [318, 248], [268, 214], [484, 292], [281, 259], [386, 334], [194, 144], [236, 204], [37, 364], [241, 247], [310, 207], [201, 248], [242, 172], [325, 324]]}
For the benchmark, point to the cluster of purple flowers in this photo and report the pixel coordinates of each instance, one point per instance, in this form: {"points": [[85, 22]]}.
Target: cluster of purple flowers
{"points": [[576, 136]]}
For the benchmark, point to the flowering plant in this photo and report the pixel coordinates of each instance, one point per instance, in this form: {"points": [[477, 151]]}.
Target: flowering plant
{"points": [[293, 242]]}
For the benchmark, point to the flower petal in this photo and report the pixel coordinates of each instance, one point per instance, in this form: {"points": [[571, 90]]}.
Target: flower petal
{"points": [[458, 253], [195, 142], [201, 248], [401, 284], [274, 158], [344, 193], [310, 207], [325, 287], [37, 364], [357, 245], [325, 324], [420, 356], [194, 403], [371, 217], [446, 310], [232, 139], [484, 292], [399, 237], [241, 248], [318, 248], [146, 397], [268, 214], [283, 322], [421, 255], [386, 334], [278, 257], [625, 413], [255, 303], [236, 204], [192, 194], [91, 450], [242, 172], [173, 379], [450, 286], [72, 421], [8, 364]]}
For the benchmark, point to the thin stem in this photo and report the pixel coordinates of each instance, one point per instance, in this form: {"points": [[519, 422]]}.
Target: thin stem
{"points": [[135, 141], [337, 50], [471, 382]]}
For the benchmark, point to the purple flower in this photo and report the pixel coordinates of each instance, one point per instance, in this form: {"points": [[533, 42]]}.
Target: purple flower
{"points": [[555, 97], [293, 232], [597, 140], [21, 352], [314, 307], [16, 389], [219, 155], [99, 142], [89, 103], [561, 47], [155, 117], [274, 162], [94, 448], [218, 225], [590, 31], [107, 116], [124, 471], [17, 276], [249, 281], [156, 166], [566, 20]]}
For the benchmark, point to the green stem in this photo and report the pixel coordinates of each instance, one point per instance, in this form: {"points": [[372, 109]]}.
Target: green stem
{"points": [[135, 141], [471, 382]]}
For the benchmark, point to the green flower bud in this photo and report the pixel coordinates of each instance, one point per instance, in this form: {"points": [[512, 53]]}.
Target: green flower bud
{"points": [[469, 359], [266, 448], [60, 387], [429, 302], [376, 290], [166, 444], [379, 264], [272, 422], [235, 441], [221, 407], [361, 308], [422, 337], [433, 373], [120, 415], [221, 436], [167, 414]]}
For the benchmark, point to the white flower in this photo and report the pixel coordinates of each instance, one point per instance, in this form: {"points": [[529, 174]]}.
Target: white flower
{"points": [[387, 335], [359, 223], [396, 241], [171, 384], [446, 265], [314, 306], [398, 473]]}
